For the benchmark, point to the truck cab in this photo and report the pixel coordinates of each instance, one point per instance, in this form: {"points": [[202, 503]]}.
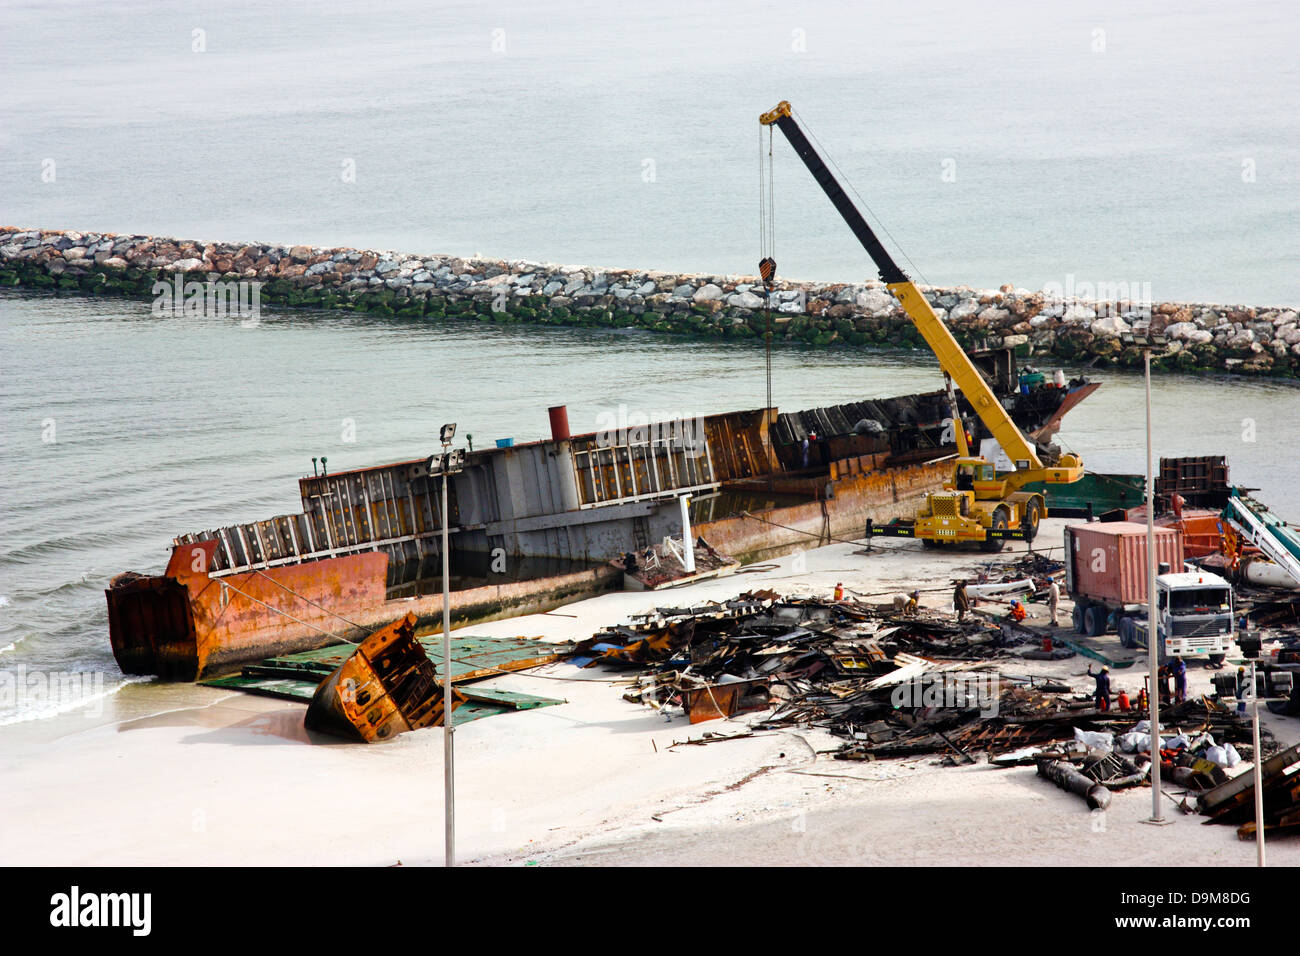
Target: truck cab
{"points": [[1194, 617]]}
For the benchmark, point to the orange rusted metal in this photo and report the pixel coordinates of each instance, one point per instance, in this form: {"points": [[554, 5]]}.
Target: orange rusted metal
{"points": [[386, 687], [187, 624], [715, 701], [880, 495], [1203, 532]]}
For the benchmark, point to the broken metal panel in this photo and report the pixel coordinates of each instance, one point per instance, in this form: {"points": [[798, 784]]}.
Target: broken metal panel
{"points": [[385, 687], [715, 701], [738, 445]]}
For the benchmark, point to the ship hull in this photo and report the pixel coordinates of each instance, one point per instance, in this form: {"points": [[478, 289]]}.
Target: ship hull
{"points": [[366, 549], [185, 625]]}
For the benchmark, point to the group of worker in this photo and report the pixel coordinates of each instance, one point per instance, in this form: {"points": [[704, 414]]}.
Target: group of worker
{"points": [[1175, 670], [961, 602]]}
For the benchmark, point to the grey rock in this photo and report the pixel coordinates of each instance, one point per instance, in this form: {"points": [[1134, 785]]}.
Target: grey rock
{"points": [[1110, 327], [744, 300], [963, 309]]}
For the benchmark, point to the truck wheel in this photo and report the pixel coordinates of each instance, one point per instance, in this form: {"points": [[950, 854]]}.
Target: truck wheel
{"points": [[1095, 620], [1080, 626], [994, 545], [1127, 633], [1216, 660], [1029, 523]]}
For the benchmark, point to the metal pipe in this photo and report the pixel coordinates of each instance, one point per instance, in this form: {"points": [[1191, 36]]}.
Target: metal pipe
{"points": [[1065, 776], [559, 415], [1153, 627], [688, 540], [448, 759], [1259, 771]]}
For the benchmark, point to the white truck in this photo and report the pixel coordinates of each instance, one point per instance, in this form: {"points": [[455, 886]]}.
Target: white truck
{"points": [[1194, 617], [1106, 574]]}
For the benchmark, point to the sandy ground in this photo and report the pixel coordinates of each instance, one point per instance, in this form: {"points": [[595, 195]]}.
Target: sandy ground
{"points": [[198, 776]]}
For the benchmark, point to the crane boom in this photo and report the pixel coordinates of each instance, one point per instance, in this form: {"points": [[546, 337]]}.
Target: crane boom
{"points": [[952, 357]]}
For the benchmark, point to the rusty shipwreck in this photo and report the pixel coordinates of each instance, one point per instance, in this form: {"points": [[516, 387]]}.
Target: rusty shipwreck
{"points": [[533, 526]]}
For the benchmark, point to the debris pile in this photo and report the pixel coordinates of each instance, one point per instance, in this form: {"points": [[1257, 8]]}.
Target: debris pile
{"points": [[862, 671], [1234, 800], [902, 683]]}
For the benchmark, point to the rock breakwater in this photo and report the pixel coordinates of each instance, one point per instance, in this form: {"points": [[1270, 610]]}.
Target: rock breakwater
{"points": [[1200, 337]]}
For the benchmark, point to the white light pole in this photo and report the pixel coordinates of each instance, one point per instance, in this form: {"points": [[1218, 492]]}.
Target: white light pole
{"points": [[1259, 771], [448, 749], [1153, 627]]}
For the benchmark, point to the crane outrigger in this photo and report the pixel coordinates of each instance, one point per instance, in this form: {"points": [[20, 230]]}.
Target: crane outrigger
{"points": [[977, 505]]}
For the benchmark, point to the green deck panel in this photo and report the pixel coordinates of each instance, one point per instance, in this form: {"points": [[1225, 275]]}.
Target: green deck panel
{"points": [[1103, 492], [507, 698], [1108, 652], [468, 653], [481, 701], [296, 676]]}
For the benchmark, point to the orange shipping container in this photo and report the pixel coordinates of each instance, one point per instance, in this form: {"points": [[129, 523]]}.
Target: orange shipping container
{"points": [[1107, 561]]}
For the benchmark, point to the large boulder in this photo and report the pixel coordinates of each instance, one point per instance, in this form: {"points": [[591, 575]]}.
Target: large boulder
{"points": [[876, 302], [1109, 327]]}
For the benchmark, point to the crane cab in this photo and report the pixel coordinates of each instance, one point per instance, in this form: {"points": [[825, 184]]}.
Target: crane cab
{"points": [[974, 507]]}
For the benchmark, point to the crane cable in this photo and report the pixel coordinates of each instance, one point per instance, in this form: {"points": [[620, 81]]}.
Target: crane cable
{"points": [[767, 252], [848, 182]]}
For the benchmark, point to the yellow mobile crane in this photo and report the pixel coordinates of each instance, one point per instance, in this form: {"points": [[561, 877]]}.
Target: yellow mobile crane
{"points": [[977, 505]]}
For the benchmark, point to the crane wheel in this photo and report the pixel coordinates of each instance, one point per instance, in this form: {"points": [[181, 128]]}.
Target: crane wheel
{"points": [[999, 523], [1029, 523]]}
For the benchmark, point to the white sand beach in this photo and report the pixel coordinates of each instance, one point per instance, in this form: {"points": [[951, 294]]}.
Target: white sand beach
{"points": [[179, 774]]}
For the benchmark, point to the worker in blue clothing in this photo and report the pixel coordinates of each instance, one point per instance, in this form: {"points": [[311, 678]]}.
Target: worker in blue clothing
{"points": [[1243, 687], [1102, 693], [1179, 667]]}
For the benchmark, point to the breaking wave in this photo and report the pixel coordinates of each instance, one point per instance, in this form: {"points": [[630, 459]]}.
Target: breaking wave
{"points": [[25, 711]]}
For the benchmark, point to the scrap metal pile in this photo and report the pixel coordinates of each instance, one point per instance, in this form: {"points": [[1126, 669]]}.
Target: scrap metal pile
{"points": [[896, 684], [1234, 800], [840, 665]]}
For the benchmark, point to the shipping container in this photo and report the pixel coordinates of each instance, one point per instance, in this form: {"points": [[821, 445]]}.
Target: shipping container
{"points": [[1106, 562]]}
